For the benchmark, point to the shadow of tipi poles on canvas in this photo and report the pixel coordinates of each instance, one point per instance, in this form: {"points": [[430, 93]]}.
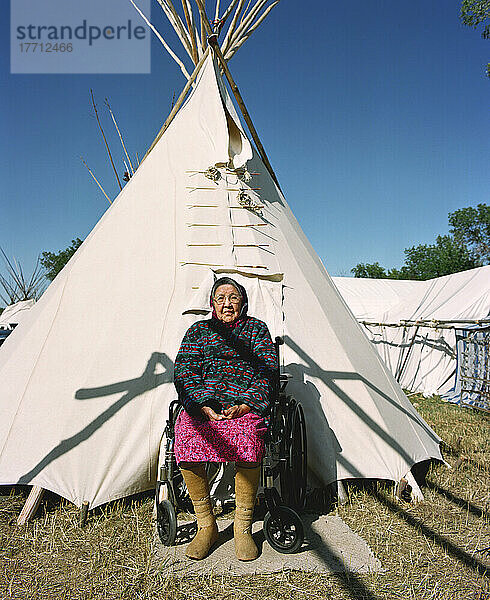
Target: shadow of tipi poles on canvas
{"points": [[329, 378], [132, 388], [440, 345]]}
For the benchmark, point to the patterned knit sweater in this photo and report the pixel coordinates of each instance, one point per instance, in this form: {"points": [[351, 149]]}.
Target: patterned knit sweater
{"points": [[220, 366]]}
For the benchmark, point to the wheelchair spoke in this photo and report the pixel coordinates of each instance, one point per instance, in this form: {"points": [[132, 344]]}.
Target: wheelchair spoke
{"points": [[283, 530], [283, 533]]}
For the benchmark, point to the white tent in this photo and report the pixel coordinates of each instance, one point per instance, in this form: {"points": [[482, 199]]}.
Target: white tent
{"points": [[85, 401], [370, 299], [12, 315], [415, 335]]}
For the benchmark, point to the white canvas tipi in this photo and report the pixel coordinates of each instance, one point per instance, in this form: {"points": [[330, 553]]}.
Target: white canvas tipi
{"points": [[13, 314], [84, 396]]}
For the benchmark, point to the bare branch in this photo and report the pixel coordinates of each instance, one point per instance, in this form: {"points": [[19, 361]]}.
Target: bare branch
{"points": [[15, 286]]}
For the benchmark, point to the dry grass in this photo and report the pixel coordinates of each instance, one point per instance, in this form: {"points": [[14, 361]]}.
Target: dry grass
{"points": [[435, 550]]}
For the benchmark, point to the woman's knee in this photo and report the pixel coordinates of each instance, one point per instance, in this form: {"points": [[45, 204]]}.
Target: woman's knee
{"points": [[191, 465]]}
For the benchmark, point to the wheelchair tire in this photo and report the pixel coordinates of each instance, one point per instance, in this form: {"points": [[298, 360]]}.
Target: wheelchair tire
{"points": [[166, 523], [294, 470], [283, 530]]}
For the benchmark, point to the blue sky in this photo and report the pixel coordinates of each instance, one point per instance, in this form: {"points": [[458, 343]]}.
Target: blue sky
{"points": [[374, 114]]}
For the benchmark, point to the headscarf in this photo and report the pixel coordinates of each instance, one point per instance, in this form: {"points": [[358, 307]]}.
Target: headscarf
{"points": [[241, 292]]}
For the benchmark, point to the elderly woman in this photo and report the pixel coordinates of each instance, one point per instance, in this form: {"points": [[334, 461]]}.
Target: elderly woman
{"points": [[224, 374]]}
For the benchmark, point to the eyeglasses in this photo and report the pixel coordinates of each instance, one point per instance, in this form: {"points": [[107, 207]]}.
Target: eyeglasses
{"points": [[233, 298]]}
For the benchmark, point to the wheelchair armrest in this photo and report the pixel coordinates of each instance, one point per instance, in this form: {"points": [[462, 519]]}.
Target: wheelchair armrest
{"points": [[283, 381]]}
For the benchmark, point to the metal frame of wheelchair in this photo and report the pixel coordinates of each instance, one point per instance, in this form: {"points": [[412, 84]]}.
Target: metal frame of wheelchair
{"points": [[285, 462]]}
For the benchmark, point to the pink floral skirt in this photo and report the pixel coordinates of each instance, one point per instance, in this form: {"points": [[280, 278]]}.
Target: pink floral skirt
{"points": [[234, 440]]}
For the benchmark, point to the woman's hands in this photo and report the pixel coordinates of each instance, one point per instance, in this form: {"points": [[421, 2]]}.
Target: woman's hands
{"points": [[209, 415], [234, 412]]}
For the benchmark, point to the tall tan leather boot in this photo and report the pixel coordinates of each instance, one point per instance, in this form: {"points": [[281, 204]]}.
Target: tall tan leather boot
{"points": [[197, 484], [246, 484]]}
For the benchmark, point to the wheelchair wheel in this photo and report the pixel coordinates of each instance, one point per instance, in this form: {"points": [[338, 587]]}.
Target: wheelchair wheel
{"points": [[283, 530], [166, 523], [293, 473]]}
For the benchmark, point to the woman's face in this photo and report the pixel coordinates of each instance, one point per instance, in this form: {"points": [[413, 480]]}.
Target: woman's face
{"points": [[227, 303]]}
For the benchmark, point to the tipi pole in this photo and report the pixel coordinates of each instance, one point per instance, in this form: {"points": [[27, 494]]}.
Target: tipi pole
{"points": [[227, 12], [178, 104], [83, 513], [231, 28], [164, 43], [31, 505], [243, 38], [192, 33], [105, 141], [96, 180], [203, 27], [213, 41], [399, 376], [176, 22], [246, 20], [120, 136]]}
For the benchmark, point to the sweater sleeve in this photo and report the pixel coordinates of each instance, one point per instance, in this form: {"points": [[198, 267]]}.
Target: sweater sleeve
{"points": [[188, 373], [258, 395]]}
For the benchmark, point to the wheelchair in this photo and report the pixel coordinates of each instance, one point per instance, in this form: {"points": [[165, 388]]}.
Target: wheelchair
{"points": [[284, 466]]}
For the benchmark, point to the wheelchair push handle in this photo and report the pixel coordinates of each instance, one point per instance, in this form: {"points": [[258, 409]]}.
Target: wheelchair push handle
{"points": [[281, 378], [278, 341]]}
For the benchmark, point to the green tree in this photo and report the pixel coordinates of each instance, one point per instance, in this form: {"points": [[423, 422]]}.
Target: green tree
{"points": [[467, 247], [471, 226], [53, 262], [427, 261], [369, 270], [474, 13]]}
